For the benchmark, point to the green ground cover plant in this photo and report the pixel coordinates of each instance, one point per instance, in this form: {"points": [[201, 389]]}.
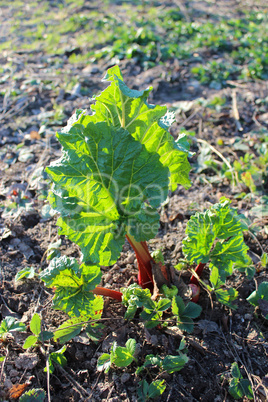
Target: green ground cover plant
{"points": [[149, 34], [239, 387]]}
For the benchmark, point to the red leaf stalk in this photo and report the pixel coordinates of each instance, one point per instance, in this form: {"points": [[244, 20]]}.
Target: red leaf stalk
{"points": [[114, 294], [144, 258], [199, 269]]}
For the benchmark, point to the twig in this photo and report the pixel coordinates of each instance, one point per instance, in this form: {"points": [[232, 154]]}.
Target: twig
{"points": [[235, 112], [256, 240], [48, 377], [3, 364], [238, 358], [188, 119], [92, 389], [77, 386], [220, 155]]}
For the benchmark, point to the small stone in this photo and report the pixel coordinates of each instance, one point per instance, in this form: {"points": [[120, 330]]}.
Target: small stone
{"points": [[248, 316], [103, 389], [154, 340], [125, 377], [93, 362], [26, 361], [130, 259], [13, 373], [8, 384]]}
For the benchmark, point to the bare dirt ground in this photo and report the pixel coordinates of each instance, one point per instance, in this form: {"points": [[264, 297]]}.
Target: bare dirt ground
{"points": [[38, 102]]}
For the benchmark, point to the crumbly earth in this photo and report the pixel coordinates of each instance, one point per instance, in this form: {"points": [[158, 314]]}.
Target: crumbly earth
{"points": [[28, 144]]}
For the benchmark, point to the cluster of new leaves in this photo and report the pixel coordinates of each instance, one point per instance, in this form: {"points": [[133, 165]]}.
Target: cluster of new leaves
{"points": [[73, 286], [135, 297], [171, 364], [216, 237], [120, 356], [115, 171], [239, 387], [39, 336]]}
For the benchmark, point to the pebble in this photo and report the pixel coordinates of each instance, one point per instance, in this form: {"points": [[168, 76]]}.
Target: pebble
{"points": [[26, 361], [248, 316], [13, 373], [154, 340], [8, 384], [125, 377], [130, 259]]}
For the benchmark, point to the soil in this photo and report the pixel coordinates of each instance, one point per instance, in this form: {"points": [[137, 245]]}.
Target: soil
{"points": [[221, 335]]}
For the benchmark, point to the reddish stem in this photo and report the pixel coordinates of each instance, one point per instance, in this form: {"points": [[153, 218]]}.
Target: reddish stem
{"points": [[145, 276], [114, 294], [199, 269]]}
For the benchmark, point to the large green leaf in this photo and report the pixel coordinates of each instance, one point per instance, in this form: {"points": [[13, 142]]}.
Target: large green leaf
{"points": [[72, 283], [120, 106], [72, 327], [106, 184], [222, 223]]}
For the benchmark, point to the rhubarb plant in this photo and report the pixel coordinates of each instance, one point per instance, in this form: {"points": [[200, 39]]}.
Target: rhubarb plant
{"points": [[215, 237], [117, 166], [74, 286]]}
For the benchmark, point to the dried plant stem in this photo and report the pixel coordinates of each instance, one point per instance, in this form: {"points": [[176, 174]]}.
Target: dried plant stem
{"points": [[3, 364], [221, 156], [48, 377]]}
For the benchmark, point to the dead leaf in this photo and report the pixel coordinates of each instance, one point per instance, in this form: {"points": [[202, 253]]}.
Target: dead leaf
{"points": [[17, 390], [35, 135]]}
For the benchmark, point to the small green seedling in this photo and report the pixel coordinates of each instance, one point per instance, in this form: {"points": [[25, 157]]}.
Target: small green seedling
{"points": [[135, 297], [25, 273], [239, 387], [53, 250], [185, 314], [39, 335], [33, 395], [260, 298], [56, 358], [119, 356], [171, 364], [150, 391], [8, 325]]}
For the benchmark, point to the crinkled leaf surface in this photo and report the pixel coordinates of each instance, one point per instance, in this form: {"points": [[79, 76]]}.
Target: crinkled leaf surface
{"points": [[33, 395], [72, 327], [57, 357], [106, 184], [227, 296], [222, 223], [72, 283], [122, 107]]}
